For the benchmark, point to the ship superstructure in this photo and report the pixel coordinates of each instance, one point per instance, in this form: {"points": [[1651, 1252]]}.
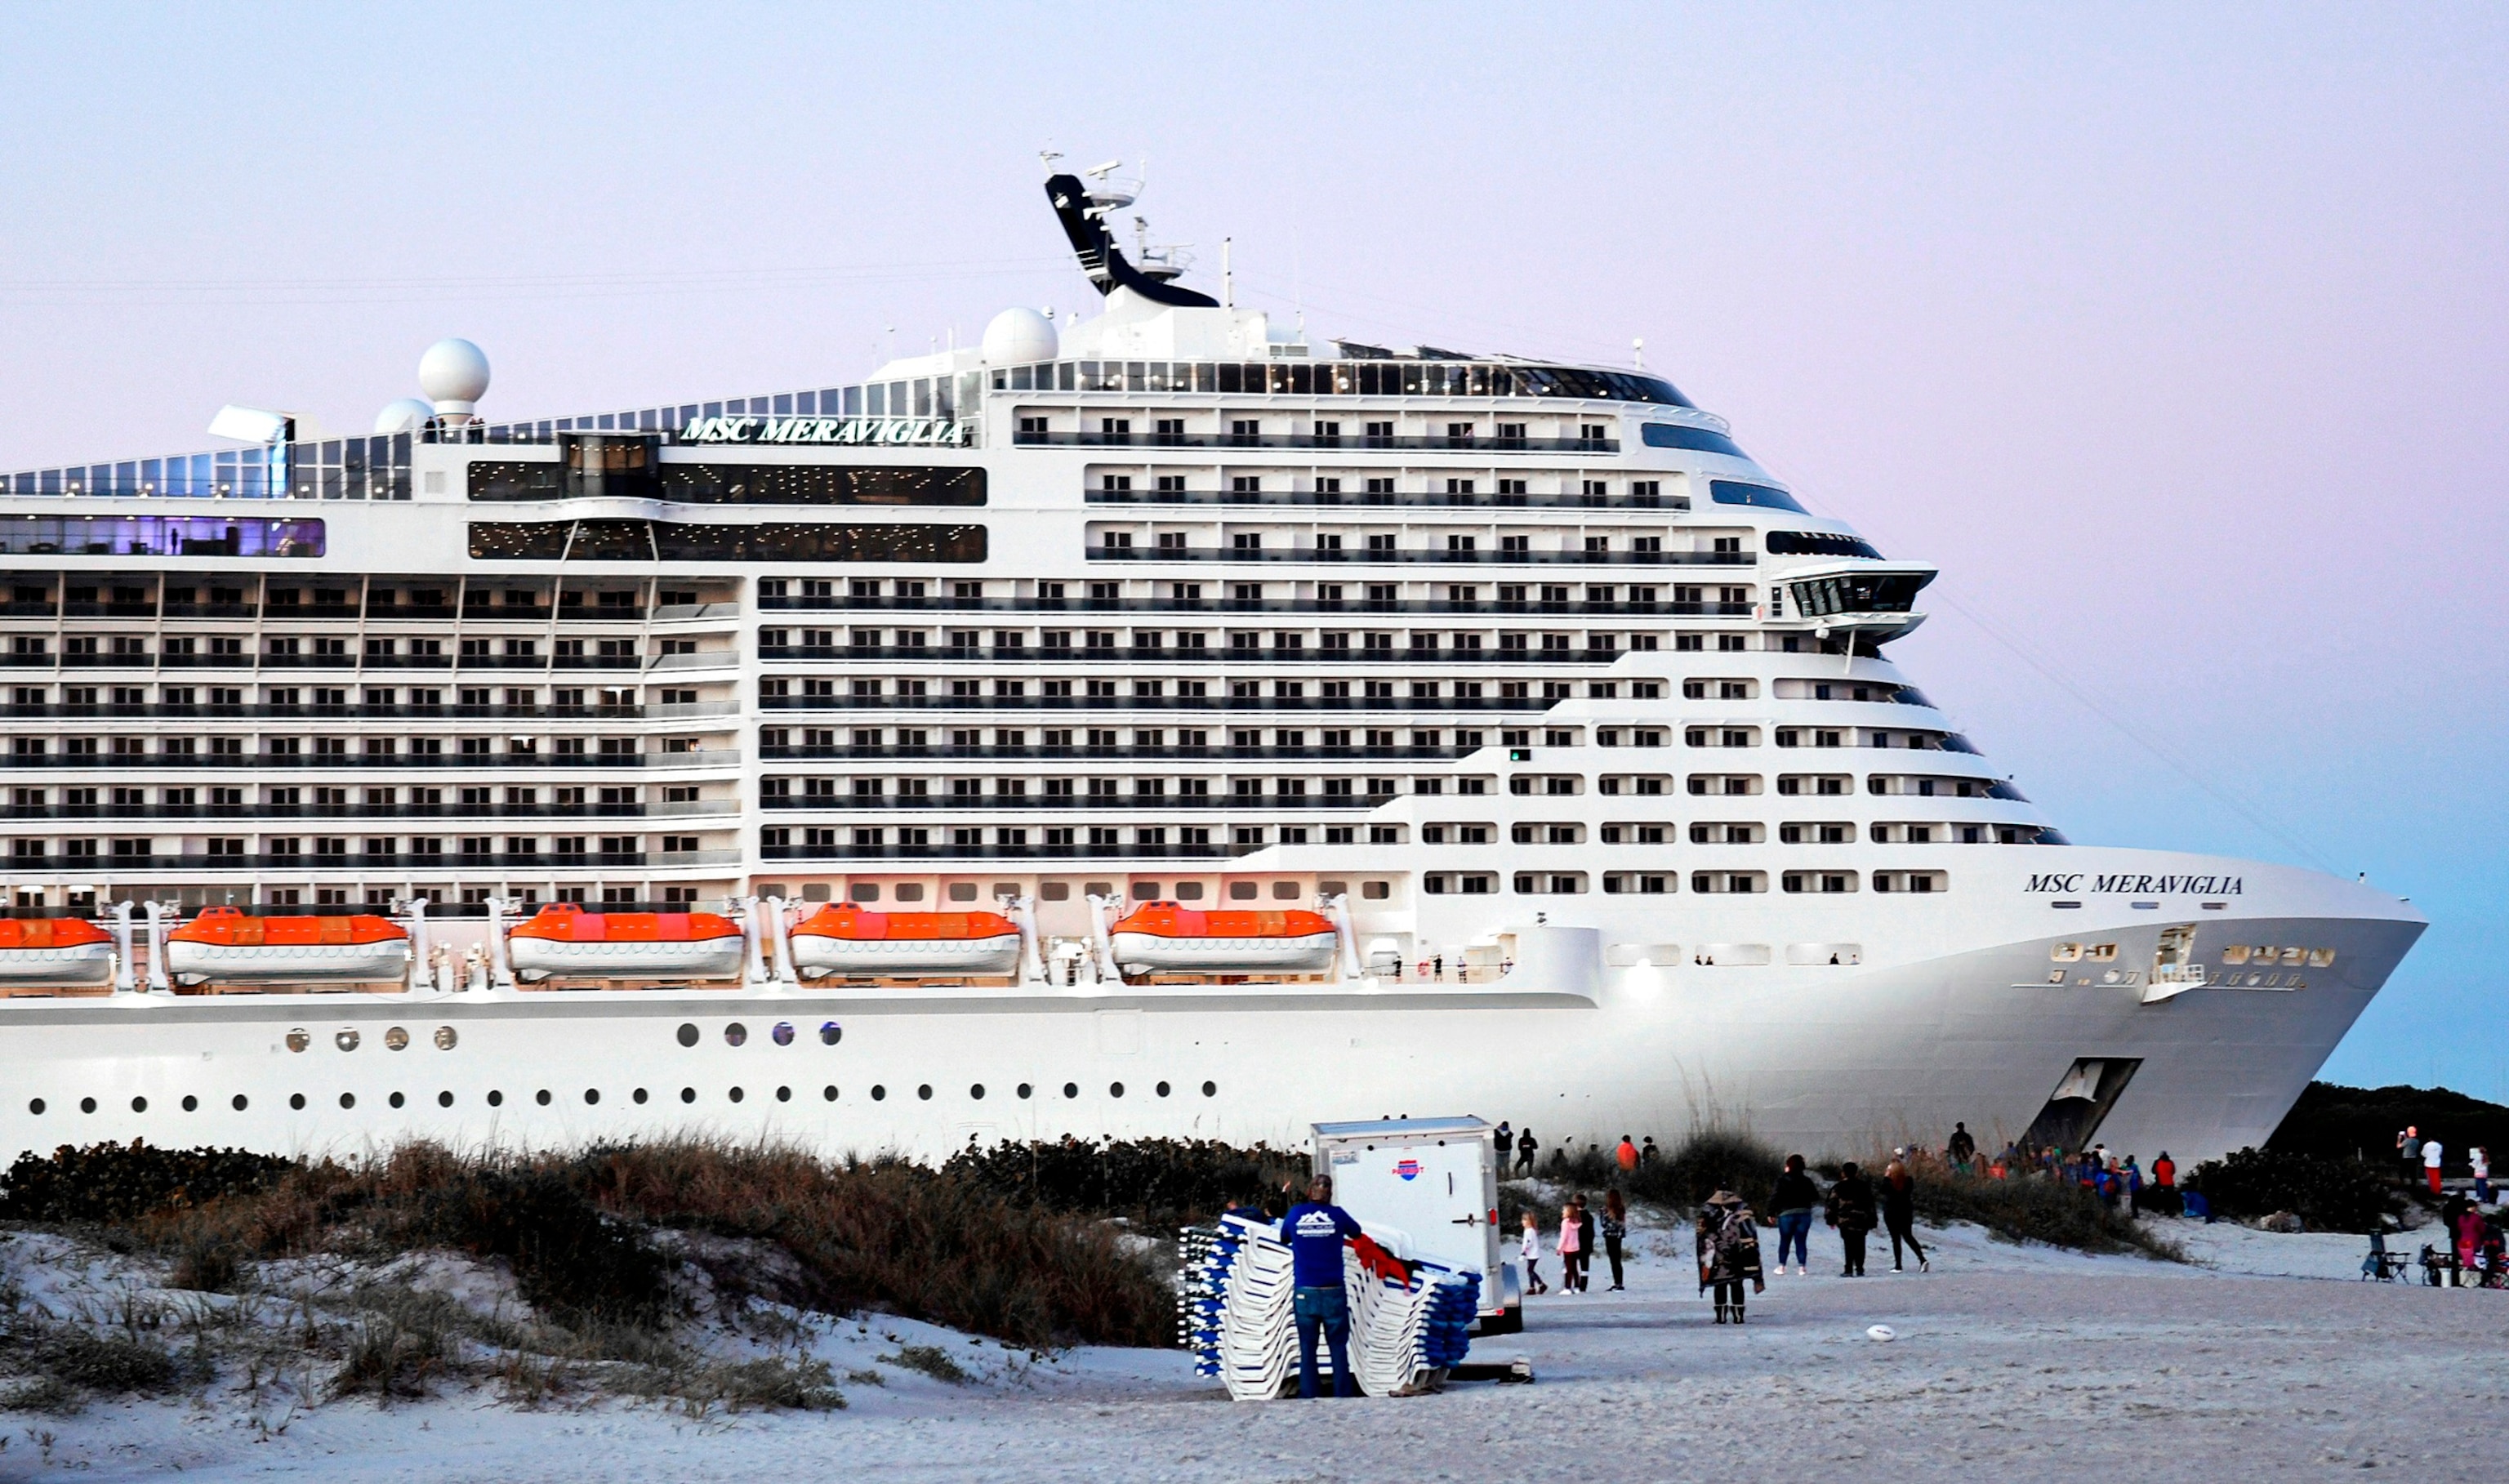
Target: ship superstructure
{"points": [[1568, 718]]}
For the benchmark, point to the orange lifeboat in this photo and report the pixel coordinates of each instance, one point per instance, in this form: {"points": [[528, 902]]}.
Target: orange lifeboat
{"points": [[565, 940], [1162, 937], [224, 944], [843, 939], [54, 951]]}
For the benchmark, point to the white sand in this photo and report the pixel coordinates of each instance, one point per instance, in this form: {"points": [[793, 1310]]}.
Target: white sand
{"points": [[2268, 1361]]}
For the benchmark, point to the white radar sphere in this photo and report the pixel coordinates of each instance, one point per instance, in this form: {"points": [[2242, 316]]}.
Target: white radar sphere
{"points": [[1882, 1332], [454, 375], [1018, 336], [408, 414]]}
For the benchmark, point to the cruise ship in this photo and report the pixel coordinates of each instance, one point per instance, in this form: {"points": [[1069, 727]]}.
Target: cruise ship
{"points": [[1151, 723]]}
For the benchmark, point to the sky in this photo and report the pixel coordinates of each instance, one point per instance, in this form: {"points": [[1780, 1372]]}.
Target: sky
{"points": [[2178, 336]]}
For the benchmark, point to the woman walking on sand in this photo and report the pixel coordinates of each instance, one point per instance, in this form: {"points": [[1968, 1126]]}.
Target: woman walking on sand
{"points": [[1530, 1252], [1851, 1212], [1616, 1229], [1899, 1214], [1571, 1251], [1729, 1253]]}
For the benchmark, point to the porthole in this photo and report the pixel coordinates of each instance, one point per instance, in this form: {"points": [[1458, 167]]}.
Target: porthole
{"points": [[139, 1106], [1210, 1089], [977, 1092], [296, 1100], [830, 1033], [688, 1094], [1071, 1090], [87, 1104], [298, 1040], [496, 1098], [782, 1034], [591, 1095], [1025, 1091], [191, 1104], [689, 1036], [444, 1099], [446, 1038], [36, 1107], [736, 1095], [346, 1040], [829, 1092], [242, 1102], [1163, 1090], [541, 1097], [879, 1093], [783, 1094], [397, 1099], [925, 1092], [347, 1100], [396, 1039], [639, 1094], [1114, 1089], [735, 1034]]}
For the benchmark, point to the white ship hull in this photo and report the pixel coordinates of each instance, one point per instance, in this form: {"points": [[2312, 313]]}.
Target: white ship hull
{"points": [[288, 963], [1820, 1059], [814, 953], [80, 964], [1149, 952], [706, 958]]}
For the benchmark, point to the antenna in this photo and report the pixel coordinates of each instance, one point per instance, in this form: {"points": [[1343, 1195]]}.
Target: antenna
{"points": [[1227, 273], [1637, 353]]}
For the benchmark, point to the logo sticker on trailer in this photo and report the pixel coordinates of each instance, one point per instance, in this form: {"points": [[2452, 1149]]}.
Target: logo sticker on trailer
{"points": [[1408, 1169]]}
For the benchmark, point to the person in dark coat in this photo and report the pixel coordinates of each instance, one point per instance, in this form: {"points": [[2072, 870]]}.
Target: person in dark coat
{"points": [[1961, 1148], [1524, 1147], [1794, 1200], [1851, 1213], [1729, 1253], [1899, 1214]]}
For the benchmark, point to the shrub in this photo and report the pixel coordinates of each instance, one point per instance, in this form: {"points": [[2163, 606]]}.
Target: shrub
{"points": [[2329, 1195], [1162, 1180], [125, 1182], [2030, 1208], [2340, 1123], [1704, 1162], [568, 1258]]}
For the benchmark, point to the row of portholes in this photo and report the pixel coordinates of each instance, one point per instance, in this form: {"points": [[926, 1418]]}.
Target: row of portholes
{"points": [[394, 1039], [496, 1098], [782, 1034]]}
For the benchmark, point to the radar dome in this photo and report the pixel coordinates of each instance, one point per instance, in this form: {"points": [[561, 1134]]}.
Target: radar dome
{"points": [[454, 375], [408, 414], [1018, 336]]}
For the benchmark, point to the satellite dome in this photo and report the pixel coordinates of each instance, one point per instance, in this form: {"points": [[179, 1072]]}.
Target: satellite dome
{"points": [[408, 414], [454, 375], [1018, 336]]}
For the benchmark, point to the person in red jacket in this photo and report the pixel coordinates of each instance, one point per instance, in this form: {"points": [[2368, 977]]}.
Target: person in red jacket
{"points": [[1626, 1155], [2163, 1195]]}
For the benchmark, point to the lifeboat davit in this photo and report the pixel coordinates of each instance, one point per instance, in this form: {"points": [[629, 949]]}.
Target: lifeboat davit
{"points": [[843, 939], [564, 940], [224, 944], [55, 951], [1164, 937]]}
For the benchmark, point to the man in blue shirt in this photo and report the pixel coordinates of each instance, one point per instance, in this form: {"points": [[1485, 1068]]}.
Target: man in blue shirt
{"points": [[1314, 1230]]}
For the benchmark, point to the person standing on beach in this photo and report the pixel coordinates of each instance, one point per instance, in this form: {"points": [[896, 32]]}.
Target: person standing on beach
{"points": [[2409, 1144], [2481, 1158], [1585, 1245], [1524, 1147], [1899, 1214], [1530, 1252], [1961, 1148], [1851, 1212], [1729, 1253], [1616, 1228], [1567, 1247], [2431, 1153], [1314, 1231], [1625, 1156], [1794, 1200]]}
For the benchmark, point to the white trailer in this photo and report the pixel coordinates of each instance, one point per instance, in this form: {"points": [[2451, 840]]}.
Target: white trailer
{"points": [[1428, 1188]]}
